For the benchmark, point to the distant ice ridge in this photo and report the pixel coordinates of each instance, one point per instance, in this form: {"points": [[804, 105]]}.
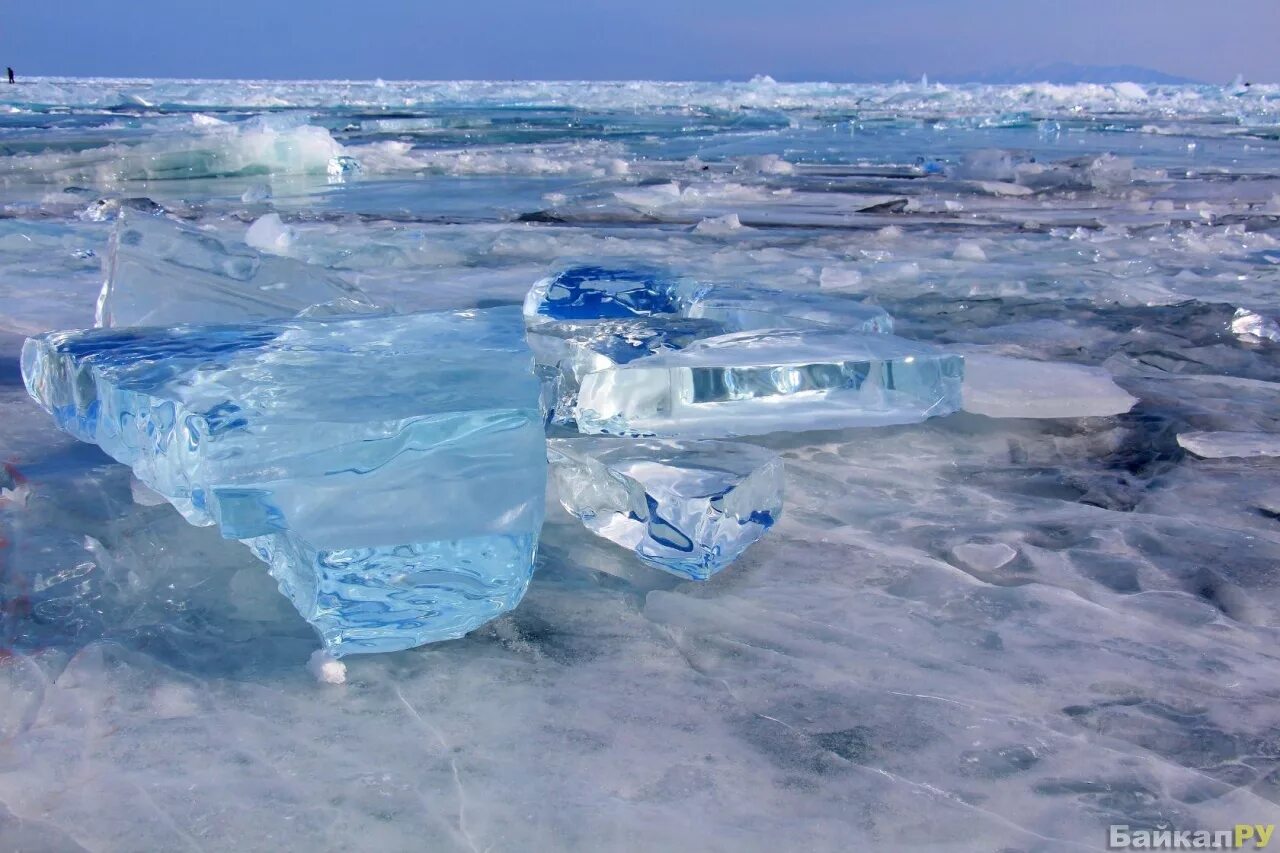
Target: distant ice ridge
{"points": [[687, 507], [261, 146], [903, 98], [586, 319], [309, 439], [158, 272]]}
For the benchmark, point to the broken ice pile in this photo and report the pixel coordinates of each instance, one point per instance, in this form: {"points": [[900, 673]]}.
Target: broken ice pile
{"points": [[688, 507], [641, 352], [159, 272], [390, 469]]}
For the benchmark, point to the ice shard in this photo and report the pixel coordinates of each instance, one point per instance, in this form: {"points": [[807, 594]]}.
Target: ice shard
{"points": [[748, 383], [687, 507], [390, 469], [159, 272]]}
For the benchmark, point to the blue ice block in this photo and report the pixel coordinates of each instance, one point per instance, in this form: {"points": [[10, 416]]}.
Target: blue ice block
{"points": [[390, 469], [687, 507]]}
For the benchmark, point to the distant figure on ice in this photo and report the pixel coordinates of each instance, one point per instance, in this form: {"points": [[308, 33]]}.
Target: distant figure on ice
{"points": [[10, 70]]}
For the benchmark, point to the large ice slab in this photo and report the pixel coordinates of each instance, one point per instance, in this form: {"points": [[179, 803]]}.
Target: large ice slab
{"points": [[587, 318], [1228, 445], [687, 507], [748, 383], [159, 272], [1005, 387], [390, 469]]}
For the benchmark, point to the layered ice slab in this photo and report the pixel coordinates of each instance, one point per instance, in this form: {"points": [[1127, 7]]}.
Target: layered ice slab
{"points": [[569, 350], [687, 507], [159, 272], [748, 383], [390, 469], [590, 318]]}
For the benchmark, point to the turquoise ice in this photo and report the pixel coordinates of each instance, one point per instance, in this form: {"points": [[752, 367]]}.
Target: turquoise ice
{"points": [[390, 469]]}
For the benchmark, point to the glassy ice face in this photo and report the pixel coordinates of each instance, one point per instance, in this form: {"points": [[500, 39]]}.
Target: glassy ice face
{"points": [[687, 507], [159, 272], [750, 383], [569, 350], [390, 469]]}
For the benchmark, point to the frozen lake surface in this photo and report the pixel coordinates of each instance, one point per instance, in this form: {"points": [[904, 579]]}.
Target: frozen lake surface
{"points": [[1005, 629]]}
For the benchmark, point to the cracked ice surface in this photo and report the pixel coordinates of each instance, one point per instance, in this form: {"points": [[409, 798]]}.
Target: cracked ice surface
{"points": [[967, 633]]}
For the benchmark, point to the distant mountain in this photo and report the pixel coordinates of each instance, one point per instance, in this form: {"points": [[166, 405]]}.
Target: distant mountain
{"points": [[1068, 72]]}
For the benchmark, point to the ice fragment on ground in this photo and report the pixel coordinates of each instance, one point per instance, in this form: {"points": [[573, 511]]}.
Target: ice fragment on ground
{"points": [[1250, 325], [256, 194], [159, 272], [749, 383], [984, 557], [969, 250], [1222, 445], [687, 507], [1004, 387], [326, 668], [716, 225], [390, 469], [269, 234]]}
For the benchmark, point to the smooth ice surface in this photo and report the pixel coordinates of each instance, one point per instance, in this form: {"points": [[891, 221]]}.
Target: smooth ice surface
{"points": [[389, 469], [750, 383], [687, 507], [1223, 445], [1004, 387], [159, 272], [863, 678]]}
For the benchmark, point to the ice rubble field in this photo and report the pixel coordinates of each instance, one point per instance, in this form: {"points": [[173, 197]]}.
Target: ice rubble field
{"points": [[984, 631]]}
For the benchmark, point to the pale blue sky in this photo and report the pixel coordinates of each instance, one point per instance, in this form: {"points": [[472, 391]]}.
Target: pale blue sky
{"points": [[655, 39]]}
